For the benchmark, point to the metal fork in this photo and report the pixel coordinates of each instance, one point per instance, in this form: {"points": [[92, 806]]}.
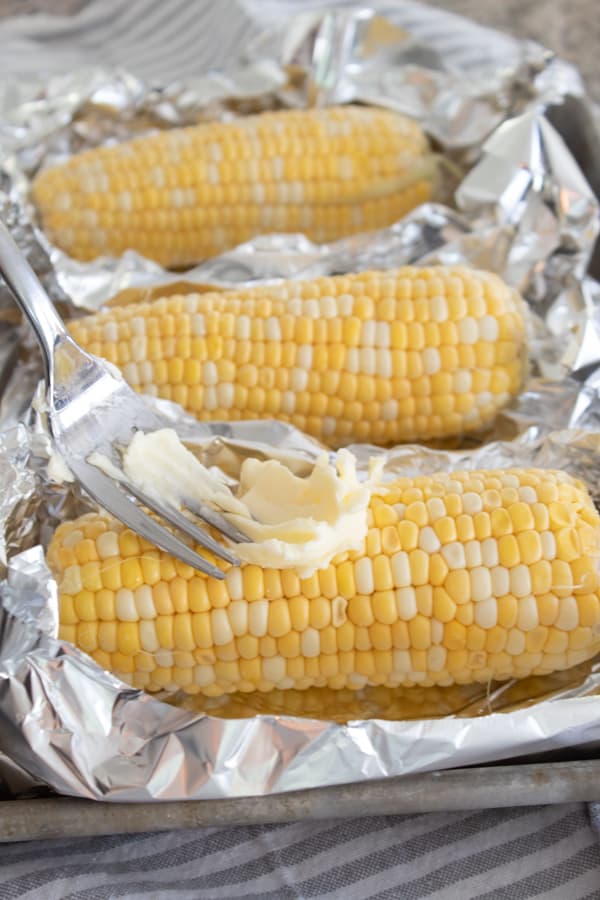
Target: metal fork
{"points": [[91, 408]]}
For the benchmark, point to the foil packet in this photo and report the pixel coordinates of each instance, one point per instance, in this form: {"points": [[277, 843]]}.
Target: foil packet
{"points": [[522, 208]]}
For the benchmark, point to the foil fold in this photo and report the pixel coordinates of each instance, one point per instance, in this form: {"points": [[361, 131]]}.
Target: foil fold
{"points": [[79, 729], [522, 208]]}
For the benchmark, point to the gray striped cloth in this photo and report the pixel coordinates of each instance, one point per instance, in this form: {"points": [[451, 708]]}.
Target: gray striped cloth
{"points": [[510, 854]]}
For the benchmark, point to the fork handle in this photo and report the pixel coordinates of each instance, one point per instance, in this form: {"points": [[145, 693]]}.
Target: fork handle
{"points": [[31, 297]]}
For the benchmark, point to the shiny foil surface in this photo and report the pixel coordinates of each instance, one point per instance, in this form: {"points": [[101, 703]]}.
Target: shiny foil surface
{"points": [[515, 202]]}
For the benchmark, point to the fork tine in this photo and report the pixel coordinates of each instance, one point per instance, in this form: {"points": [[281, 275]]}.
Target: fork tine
{"points": [[212, 517], [179, 521], [111, 497]]}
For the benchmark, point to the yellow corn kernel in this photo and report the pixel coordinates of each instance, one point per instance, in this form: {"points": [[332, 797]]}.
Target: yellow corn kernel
{"points": [[279, 620]]}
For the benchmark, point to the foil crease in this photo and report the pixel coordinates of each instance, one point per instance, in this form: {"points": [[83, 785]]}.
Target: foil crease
{"points": [[522, 208], [79, 729]]}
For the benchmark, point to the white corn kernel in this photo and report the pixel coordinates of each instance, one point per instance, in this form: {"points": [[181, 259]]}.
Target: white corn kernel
{"points": [[432, 362], [528, 614], [328, 307], [199, 324], [107, 544], [401, 661], [481, 584], [144, 602], [305, 356], [233, 581], [527, 494], [515, 642], [401, 569], [435, 508], [298, 379], [468, 331], [382, 335], [473, 554], [389, 410], [125, 606], [520, 581], [139, 348], [486, 613], [210, 398], [436, 658], [221, 629], [454, 554], [225, 395], [237, 612], [406, 603], [273, 668], [568, 614], [288, 402], [472, 503], [428, 540], [548, 545], [272, 329], [345, 304], [204, 675], [310, 643], [311, 308], [138, 326], [488, 328], [437, 631], [383, 363], [363, 573], [368, 334], [242, 328], [368, 360], [439, 309], [164, 658], [148, 637], [489, 552], [462, 381], [209, 373], [353, 360], [258, 615], [500, 581], [110, 331]]}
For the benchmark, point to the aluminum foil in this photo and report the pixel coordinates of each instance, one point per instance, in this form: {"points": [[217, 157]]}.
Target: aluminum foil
{"points": [[523, 208], [81, 730]]}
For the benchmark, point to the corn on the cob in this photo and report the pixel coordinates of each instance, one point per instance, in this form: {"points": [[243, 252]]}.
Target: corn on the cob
{"points": [[185, 194], [463, 577], [410, 354]]}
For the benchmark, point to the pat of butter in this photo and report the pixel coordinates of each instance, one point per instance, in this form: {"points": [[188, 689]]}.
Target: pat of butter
{"points": [[292, 522]]}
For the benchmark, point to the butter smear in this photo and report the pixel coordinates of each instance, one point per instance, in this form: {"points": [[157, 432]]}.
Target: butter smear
{"points": [[291, 522]]}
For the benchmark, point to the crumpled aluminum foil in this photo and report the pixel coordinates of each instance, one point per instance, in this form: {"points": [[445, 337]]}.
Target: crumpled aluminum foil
{"points": [[524, 209], [76, 727]]}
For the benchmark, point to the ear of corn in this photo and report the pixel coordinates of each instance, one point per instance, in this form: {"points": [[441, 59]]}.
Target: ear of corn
{"points": [[410, 354], [463, 577], [185, 194]]}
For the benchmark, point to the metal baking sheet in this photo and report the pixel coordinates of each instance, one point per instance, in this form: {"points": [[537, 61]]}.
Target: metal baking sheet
{"points": [[519, 784], [485, 787]]}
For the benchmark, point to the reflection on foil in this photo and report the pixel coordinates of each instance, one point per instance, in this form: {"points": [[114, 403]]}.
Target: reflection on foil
{"points": [[80, 730], [524, 211]]}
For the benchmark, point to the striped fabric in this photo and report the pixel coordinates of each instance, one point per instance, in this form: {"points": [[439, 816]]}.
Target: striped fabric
{"points": [[169, 40], [512, 854]]}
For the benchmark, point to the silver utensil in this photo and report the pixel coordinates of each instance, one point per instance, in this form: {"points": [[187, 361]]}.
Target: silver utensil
{"points": [[90, 409]]}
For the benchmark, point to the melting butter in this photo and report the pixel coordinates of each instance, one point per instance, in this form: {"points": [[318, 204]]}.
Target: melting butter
{"points": [[292, 522]]}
